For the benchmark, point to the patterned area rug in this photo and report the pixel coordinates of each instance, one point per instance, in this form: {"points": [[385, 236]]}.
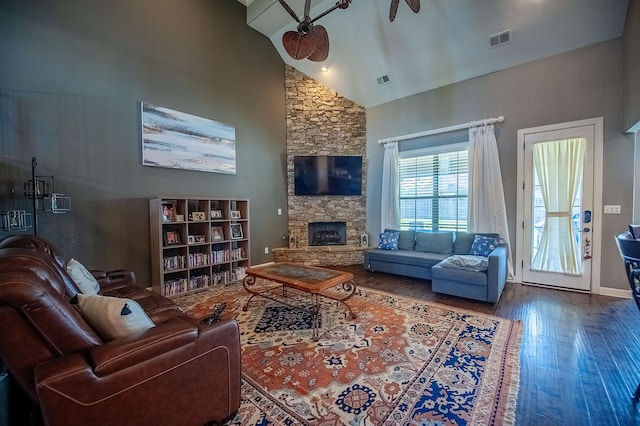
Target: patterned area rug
{"points": [[401, 361]]}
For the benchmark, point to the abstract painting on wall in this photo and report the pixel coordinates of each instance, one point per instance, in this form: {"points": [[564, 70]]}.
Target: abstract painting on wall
{"points": [[178, 140]]}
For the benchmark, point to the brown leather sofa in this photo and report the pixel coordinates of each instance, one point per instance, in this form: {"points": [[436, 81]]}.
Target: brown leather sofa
{"points": [[178, 372]]}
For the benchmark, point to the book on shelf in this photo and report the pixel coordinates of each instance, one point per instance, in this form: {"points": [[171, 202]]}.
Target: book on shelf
{"points": [[173, 262], [199, 259], [175, 286]]}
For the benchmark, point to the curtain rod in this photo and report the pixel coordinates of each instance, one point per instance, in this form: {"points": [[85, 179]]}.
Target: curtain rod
{"points": [[486, 121]]}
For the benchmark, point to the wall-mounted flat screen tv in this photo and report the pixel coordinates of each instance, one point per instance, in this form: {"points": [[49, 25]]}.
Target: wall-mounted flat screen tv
{"points": [[327, 175]]}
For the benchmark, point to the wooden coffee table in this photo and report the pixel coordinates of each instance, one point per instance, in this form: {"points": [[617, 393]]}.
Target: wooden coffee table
{"points": [[306, 279]]}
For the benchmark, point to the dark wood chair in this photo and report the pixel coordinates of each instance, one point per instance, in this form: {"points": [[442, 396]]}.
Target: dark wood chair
{"points": [[629, 249]]}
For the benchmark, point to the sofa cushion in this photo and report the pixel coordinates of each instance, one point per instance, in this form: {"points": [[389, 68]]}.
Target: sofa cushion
{"points": [[483, 245], [85, 281], [389, 241], [434, 242], [113, 317], [406, 239], [468, 262], [406, 257], [463, 242], [467, 277]]}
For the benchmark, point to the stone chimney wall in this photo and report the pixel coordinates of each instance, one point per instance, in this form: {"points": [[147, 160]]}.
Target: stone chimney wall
{"points": [[320, 122]]}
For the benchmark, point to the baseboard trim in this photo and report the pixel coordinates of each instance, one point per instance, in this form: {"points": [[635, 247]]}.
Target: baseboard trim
{"points": [[604, 291], [615, 292]]}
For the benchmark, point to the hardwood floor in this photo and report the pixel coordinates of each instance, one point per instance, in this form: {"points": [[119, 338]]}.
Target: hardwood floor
{"points": [[580, 356]]}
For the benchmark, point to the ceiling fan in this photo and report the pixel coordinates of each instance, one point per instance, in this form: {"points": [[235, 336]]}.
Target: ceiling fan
{"points": [[309, 41], [413, 4]]}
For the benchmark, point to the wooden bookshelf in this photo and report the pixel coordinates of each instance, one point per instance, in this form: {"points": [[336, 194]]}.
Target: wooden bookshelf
{"points": [[197, 242]]}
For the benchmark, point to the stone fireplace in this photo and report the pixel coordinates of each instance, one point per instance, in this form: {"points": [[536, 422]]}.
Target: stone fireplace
{"points": [[320, 122], [327, 233]]}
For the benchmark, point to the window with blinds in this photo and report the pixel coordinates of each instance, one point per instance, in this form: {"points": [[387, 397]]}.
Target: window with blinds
{"points": [[434, 188]]}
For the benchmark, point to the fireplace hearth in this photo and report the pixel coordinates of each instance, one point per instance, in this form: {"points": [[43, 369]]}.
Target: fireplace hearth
{"points": [[327, 233]]}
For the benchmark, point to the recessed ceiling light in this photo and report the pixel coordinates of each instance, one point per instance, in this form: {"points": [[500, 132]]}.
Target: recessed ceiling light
{"points": [[324, 68]]}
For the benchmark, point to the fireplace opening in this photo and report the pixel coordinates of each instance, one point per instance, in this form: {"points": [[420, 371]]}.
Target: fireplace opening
{"points": [[327, 233]]}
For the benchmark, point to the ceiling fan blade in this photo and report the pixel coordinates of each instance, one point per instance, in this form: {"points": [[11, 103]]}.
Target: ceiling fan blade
{"points": [[289, 10], [321, 40], [307, 8], [298, 46], [393, 10], [414, 5]]}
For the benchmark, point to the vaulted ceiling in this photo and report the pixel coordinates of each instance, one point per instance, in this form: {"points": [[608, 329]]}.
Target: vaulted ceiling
{"points": [[446, 42]]}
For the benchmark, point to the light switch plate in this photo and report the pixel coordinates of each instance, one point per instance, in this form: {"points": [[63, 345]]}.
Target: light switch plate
{"points": [[612, 209]]}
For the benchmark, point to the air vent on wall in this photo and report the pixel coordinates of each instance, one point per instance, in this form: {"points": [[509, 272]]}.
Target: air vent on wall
{"points": [[383, 79], [500, 39]]}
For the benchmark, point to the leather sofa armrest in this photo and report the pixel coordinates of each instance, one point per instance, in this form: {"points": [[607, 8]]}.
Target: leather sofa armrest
{"points": [[120, 276], [127, 351], [98, 274], [161, 388]]}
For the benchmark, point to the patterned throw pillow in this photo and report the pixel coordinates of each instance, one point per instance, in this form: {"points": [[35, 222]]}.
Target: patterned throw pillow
{"points": [[483, 246], [389, 241]]}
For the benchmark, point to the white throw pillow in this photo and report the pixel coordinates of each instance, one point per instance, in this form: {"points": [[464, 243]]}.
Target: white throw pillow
{"points": [[113, 317], [86, 282]]}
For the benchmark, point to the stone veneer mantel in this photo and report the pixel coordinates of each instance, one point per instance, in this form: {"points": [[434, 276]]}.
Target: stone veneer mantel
{"points": [[321, 255]]}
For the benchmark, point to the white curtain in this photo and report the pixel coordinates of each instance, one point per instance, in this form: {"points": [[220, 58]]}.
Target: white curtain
{"points": [[389, 200], [558, 165], [487, 211]]}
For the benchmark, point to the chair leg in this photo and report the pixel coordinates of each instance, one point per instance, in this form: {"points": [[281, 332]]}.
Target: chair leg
{"points": [[636, 395]]}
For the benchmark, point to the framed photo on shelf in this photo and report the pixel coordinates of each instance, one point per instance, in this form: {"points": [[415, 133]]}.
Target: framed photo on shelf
{"points": [[197, 216], [236, 231], [171, 238], [235, 214], [216, 214], [216, 233], [191, 239], [168, 211], [200, 239]]}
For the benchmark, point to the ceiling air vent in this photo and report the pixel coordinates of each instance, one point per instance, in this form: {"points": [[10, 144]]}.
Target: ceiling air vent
{"points": [[383, 79], [500, 39]]}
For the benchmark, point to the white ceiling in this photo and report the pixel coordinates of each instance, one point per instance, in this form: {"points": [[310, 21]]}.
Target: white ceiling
{"points": [[447, 42]]}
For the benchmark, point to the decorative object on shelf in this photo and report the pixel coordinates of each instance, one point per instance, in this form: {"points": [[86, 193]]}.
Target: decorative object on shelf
{"points": [[216, 214], [309, 41], [191, 239], [178, 140], [15, 220], [216, 233], [200, 239], [198, 216], [364, 240], [169, 211], [236, 231], [235, 214], [179, 218], [172, 238], [293, 241]]}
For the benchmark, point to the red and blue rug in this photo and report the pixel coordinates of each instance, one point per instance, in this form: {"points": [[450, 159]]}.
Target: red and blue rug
{"points": [[401, 361]]}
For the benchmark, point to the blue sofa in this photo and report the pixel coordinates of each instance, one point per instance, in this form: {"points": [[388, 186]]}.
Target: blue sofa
{"points": [[444, 258]]}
